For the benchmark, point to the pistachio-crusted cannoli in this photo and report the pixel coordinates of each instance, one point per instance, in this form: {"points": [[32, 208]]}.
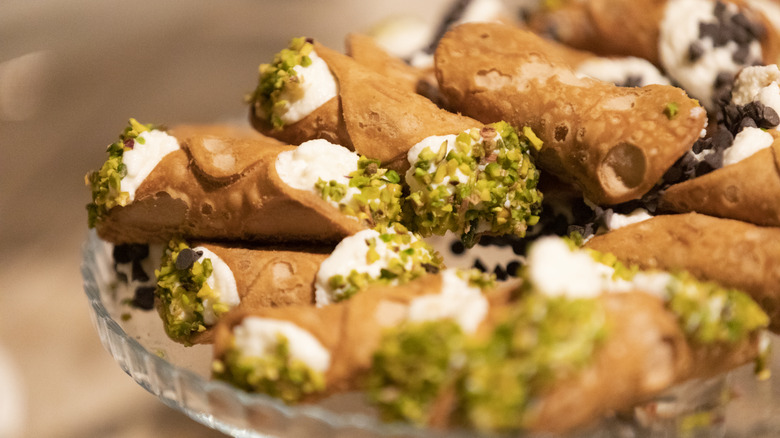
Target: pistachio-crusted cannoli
{"points": [[479, 181], [615, 143], [310, 91], [154, 187], [568, 350], [700, 44], [303, 353], [198, 283], [732, 253]]}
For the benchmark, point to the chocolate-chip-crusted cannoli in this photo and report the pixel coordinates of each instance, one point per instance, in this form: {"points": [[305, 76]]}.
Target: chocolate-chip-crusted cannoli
{"points": [[614, 142], [155, 186], [700, 44], [198, 283], [730, 252], [311, 91], [568, 349], [304, 353]]}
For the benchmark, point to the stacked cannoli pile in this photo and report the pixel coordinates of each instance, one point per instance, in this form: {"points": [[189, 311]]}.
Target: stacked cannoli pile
{"points": [[356, 236]]}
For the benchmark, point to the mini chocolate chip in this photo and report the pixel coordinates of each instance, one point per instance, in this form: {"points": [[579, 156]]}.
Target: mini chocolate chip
{"points": [[479, 265], [632, 81], [138, 272], [721, 139], [703, 168], [186, 258], [747, 122], [740, 56], [513, 268], [485, 241], [519, 247], [122, 277], [723, 79], [144, 297], [755, 29], [500, 273], [769, 118], [457, 247], [695, 51], [712, 31], [128, 252], [719, 11]]}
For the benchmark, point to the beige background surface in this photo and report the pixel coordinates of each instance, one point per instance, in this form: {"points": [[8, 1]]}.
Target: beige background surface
{"points": [[71, 74]]}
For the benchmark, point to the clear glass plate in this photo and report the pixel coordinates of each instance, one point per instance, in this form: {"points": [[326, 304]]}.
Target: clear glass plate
{"points": [[736, 405]]}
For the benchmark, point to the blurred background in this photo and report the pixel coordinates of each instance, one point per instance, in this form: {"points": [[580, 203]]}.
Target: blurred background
{"points": [[71, 74]]}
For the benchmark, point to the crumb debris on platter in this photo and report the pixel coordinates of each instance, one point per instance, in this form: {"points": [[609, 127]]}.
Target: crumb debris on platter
{"points": [[523, 223]]}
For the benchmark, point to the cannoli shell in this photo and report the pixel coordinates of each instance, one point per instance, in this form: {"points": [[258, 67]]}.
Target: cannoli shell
{"points": [[269, 277], [732, 253], [626, 27], [381, 119], [365, 50], [645, 353], [748, 190], [217, 188], [614, 143]]}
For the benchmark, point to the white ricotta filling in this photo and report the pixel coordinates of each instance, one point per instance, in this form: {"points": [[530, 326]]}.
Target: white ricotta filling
{"points": [[758, 83], [479, 11], [313, 160], [316, 85], [258, 337], [149, 148], [746, 143], [554, 269], [402, 36], [679, 28], [222, 282], [616, 220], [350, 254], [458, 300], [619, 70]]}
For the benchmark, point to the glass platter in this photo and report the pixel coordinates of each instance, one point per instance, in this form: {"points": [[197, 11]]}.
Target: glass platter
{"points": [[734, 405]]}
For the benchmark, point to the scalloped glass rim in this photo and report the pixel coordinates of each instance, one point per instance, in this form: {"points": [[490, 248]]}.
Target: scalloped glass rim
{"points": [[238, 413]]}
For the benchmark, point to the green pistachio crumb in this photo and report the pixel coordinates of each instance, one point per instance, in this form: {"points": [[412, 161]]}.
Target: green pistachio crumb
{"points": [[671, 110], [378, 202], [276, 374], [280, 76], [106, 182], [486, 183], [181, 293]]}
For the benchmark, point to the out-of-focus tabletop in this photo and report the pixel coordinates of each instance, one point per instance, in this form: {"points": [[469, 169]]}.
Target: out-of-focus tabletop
{"points": [[71, 74]]}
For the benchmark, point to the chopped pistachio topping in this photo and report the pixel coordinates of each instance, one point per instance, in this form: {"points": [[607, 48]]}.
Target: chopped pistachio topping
{"points": [[182, 289], [394, 256], [542, 340], [545, 339], [373, 194], [671, 110], [106, 182], [277, 374], [483, 182], [710, 313], [412, 364], [280, 76]]}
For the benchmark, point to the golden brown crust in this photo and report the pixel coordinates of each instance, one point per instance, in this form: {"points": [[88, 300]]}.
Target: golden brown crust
{"points": [[223, 189], [365, 50], [613, 142], [748, 190], [729, 252], [599, 26]]}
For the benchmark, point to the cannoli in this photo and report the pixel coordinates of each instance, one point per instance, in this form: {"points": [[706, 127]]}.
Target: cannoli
{"points": [[304, 353], [351, 105], [154, 187], [568, 350], [615, 143], [480, 181], [368, 53], [700, 44], [198, 283], [732, 253]]}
